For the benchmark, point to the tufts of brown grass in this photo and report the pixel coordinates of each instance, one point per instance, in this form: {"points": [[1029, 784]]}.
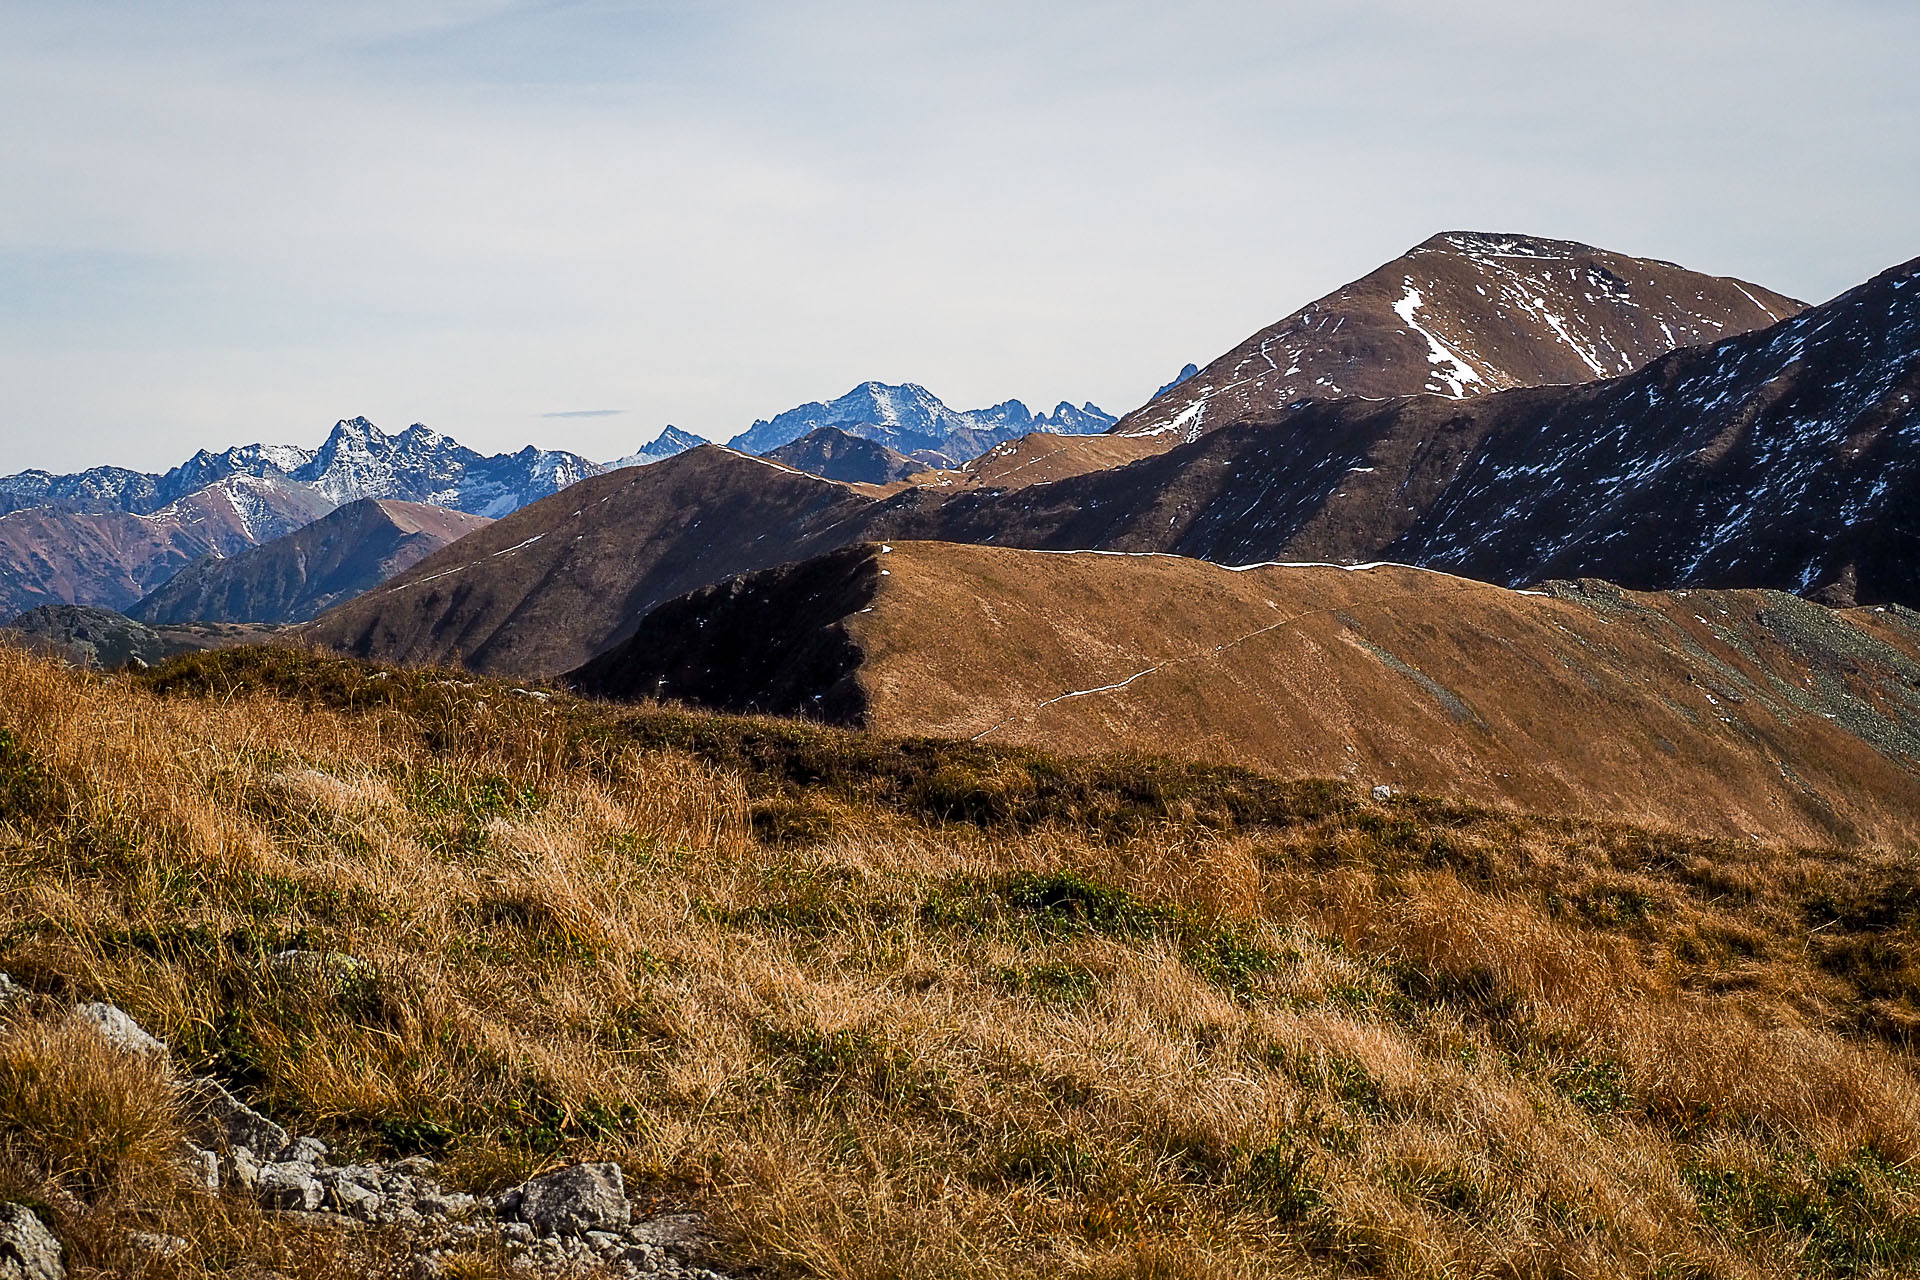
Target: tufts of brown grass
{"points": [[79, 1112], [892, 1009]]}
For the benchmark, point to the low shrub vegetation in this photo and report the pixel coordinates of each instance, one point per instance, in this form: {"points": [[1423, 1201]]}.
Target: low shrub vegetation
{"points": [[894, 1009]]}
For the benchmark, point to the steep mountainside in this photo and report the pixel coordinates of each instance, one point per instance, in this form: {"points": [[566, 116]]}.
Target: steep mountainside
{"points": [[546, 588], [56, 555], [1461, 315], [912, 420], [1786, 458], [833, 454], [358, 460], [1712, 711], [298, 576]]}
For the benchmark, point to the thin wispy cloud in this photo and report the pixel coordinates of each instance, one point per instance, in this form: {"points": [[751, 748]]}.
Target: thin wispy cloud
{"points": [[584, 413], [457, 211]]}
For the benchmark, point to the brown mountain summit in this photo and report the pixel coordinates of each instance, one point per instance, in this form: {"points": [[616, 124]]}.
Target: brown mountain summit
{"points": [[547, 587], [1464, 314]]}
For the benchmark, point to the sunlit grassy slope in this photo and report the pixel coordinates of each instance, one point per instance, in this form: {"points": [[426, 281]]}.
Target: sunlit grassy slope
{"points": [[913, 1009]]}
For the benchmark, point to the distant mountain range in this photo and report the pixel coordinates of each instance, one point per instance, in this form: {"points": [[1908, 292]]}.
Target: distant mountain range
{"points": [[1782, 457], [669, 442], [303, 573], [357, 460], [913, 421], [109, 536]]}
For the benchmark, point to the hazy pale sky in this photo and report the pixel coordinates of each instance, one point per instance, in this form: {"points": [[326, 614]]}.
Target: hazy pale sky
{"points": [[232, 222]]}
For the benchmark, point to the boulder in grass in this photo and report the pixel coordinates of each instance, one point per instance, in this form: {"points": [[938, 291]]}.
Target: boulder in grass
{"points": [[576, 1200]]}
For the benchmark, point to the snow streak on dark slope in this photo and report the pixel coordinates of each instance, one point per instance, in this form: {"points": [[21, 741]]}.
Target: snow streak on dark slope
{"points": [[1464, 314], [1788, 458], [912, 420], [1785, 458]]}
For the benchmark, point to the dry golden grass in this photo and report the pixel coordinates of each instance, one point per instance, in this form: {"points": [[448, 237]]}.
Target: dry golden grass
{"points": [[910, 1010]]}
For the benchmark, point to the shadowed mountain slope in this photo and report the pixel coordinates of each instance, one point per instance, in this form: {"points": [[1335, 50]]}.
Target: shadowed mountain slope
{"points": [[1737, 711], [1461, 315], [1786, 458], [833, 454], [546, 588], [296, 577]]}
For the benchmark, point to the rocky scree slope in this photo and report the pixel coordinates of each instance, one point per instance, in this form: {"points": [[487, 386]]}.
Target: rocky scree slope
{"points": [[1719, 713], [544, 589], [1461, 315], [1786, 458], [296, 577]]}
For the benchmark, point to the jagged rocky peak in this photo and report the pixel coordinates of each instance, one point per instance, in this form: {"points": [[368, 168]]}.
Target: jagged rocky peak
{"points": [[669, 442], [910, 419], [1463, 314]]}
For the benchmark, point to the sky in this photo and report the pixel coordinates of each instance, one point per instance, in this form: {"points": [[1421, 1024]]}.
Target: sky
{"points": [[571, 222]]}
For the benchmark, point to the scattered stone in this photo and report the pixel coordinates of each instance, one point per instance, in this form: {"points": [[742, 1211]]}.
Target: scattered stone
{"points": [[28, 1251], [118, 1028], [220, 1120], [570, 1202], [1383, 792], [305, 1151], [288, 1186], [10, 990], [242, 1169], [202, 1165]]}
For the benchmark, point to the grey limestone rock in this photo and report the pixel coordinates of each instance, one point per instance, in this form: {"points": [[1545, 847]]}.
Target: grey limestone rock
{"points": [[28, 1251], [575, 1200], [288, 1186], [220, 1120], [117, 1027]]}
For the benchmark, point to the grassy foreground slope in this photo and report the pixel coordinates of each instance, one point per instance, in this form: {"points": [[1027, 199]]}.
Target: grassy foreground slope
{"points": [[916, 1008]]}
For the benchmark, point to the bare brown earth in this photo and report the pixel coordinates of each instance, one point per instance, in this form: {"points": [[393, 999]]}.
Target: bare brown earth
{"points": [[1499, 311], [295, 577], [547, 587], [1708, 711]]}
